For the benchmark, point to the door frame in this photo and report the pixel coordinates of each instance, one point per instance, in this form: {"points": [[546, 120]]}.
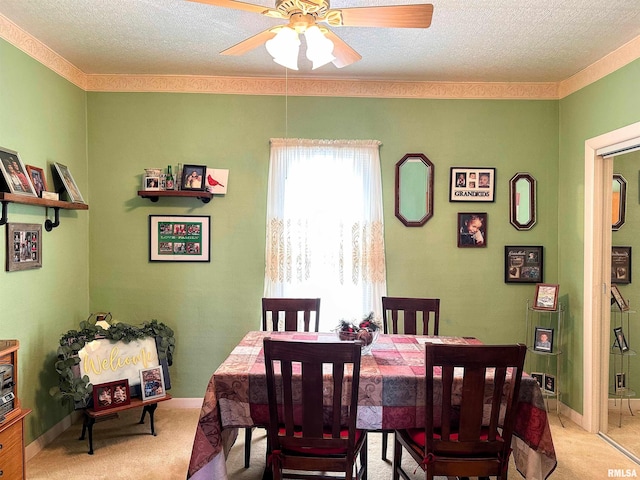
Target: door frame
{"points": [[597, 275]]}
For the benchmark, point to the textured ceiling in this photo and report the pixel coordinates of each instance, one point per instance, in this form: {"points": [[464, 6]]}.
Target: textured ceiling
{"points": [[468, 41]]}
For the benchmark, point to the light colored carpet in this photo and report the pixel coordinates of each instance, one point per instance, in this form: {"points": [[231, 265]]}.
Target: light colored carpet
{"points": [[624, 428], [125, 450]]}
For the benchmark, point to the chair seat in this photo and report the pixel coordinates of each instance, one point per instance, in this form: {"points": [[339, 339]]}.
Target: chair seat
{"points": [[419, 437], [344, 433]]}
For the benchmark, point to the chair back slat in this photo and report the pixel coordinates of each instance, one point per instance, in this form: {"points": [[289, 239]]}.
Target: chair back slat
{"points": [[411, 316], [290, 310]]}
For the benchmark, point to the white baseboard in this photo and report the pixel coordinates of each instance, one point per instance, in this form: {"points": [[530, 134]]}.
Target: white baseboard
{"points": [[50, 435], [635, 402]]}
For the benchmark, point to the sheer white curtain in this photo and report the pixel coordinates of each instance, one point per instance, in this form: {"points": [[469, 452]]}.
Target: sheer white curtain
{"points": [[325, 230]]}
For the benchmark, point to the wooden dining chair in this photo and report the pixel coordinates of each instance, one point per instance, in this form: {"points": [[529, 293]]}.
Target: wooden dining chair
{"points": [[308, 432], [405, 315], [469, 420], [289, 310], [292, 309], [414, 315]]}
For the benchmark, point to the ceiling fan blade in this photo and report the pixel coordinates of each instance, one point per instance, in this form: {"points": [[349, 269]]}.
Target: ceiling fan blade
{"points": [[249, 7], [394, 16], [345, 55], [250, 43]]}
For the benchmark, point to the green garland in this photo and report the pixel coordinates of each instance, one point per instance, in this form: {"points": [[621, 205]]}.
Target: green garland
{"points": [[71, 386]]}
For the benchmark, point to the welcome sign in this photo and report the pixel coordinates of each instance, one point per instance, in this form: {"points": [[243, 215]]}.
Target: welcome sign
{"points": [[108, 361]]}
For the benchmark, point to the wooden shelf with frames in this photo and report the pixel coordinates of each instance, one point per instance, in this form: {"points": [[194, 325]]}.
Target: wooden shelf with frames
{"points": [[7, 198]]}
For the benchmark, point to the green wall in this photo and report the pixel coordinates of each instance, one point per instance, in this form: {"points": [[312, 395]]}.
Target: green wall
{"points": [[43, 118], [601, 107], [98, 260], [211, 306]]}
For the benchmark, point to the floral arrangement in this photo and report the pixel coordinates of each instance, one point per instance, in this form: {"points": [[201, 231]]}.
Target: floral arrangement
{"points": [[366, 330]]}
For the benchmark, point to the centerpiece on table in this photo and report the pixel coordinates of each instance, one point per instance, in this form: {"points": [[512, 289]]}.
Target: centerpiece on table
{"points": [[367, 330]]}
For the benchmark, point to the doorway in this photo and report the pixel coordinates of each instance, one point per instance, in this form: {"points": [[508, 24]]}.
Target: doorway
{"points": [[597, 274]]}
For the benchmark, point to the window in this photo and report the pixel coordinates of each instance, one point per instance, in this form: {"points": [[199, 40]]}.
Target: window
{"points": [[325, 230]]}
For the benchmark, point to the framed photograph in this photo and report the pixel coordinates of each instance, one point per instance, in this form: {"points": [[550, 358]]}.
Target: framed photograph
{"points": [[619, 299], [472, 230], [217, 180], [69, 183], [621, 382], [151, 183], [111, 394], [14, 173], [185, 238], [549, 383], [620, 264], [620, 340], [37, 179], [539, 378], [24, 246], [472, 184], [523, 264], [193, 177], [152, 383], [546, 297], [543, 340]]}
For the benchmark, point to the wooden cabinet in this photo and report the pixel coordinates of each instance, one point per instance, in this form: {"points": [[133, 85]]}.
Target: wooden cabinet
{"points": [[12, 415]]}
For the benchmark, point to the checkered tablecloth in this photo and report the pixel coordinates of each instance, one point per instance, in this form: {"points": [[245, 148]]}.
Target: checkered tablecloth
{"points": [[391, 396]]}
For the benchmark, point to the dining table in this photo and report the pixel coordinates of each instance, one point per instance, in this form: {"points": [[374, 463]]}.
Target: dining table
{"points": [[391, 396]]}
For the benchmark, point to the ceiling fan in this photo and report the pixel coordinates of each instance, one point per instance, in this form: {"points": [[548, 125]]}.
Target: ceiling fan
{"points": [[323, 46]]}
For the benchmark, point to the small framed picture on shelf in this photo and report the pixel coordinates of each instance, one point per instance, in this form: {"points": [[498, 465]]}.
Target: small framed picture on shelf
{"points": [[472, 184], [623, 305], [111, 394], [621, 382], [14, 173], [37, 179], [152, 383], [549, 384], [193, 177], [543, 340], [620, 340], [546, 297], [539, 378], [68, 183], [523, 264], [620, 264], [151, 183]]}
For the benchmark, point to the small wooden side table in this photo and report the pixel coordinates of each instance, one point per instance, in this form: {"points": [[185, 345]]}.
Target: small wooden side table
{"points": [[91, 415]]}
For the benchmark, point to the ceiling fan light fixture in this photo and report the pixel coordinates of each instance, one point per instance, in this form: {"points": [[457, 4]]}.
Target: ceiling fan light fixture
{"points": [[319, 47], [284, 48]]}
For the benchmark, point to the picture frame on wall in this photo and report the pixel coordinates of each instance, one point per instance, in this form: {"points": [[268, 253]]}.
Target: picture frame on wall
{"points": [[37, 179], [472, 230], [183, 238], [523, 264], [24, 246], [620, 340], [152, 383], [620, 264], [543, 340], [69, 184], [193, 177], [472, 184], [546, 297], [14, 173], [617, 297]]}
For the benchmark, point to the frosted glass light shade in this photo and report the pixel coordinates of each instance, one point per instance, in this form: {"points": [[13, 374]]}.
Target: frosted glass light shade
{"points": [[319, 47], [284, 48]]}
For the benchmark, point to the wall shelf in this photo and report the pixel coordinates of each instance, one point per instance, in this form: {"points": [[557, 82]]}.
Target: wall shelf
{"points": [[154, 195], [7, 198]]}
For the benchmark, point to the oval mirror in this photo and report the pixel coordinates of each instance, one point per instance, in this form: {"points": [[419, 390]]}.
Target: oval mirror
{"points": [[414, 189], [522, 198], [618, 202]]}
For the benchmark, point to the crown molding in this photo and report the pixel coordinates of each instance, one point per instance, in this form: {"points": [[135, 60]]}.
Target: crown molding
{"points": [[311, 87]]}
